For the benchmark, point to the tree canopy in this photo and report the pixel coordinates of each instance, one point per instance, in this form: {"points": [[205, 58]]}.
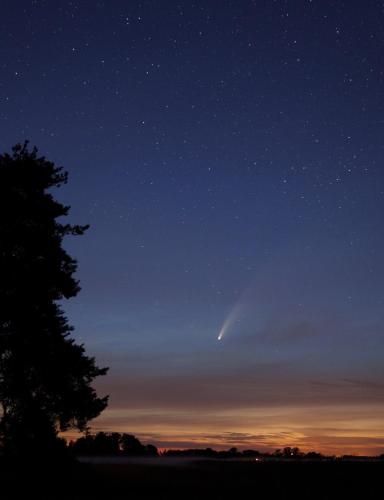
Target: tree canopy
{"points": [[45, 376]]}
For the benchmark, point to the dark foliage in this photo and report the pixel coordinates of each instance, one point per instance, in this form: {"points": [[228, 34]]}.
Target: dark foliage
{"points": [[113, 443], [45, 376]]}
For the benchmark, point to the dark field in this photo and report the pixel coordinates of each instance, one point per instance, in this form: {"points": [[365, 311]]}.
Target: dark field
{"points": [[202, 480]]}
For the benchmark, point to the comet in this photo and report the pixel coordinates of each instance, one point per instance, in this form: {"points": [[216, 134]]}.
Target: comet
{"points": [[232, 317]]}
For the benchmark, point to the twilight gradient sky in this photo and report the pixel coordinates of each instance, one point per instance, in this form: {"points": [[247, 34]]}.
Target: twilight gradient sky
{"points": [[228, 155]]}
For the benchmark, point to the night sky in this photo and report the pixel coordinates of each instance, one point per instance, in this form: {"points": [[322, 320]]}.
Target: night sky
{"points": [[229, 157]]}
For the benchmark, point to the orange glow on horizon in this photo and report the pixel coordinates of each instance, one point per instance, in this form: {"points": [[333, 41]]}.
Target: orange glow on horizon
{"points": [[328, 430]]}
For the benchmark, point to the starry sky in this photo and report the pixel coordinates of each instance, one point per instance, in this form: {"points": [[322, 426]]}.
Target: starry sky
{"points": [[228, 155]]}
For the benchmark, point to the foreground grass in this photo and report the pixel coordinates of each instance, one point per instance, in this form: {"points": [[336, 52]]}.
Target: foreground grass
{"points": [[198, 480]]}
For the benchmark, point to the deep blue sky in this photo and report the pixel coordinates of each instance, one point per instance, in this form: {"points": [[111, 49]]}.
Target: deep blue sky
{"points": [[229, 158]]}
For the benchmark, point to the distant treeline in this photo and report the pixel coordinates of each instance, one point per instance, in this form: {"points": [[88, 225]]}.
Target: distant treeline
{"points": [[121, 444], [287, 452]]}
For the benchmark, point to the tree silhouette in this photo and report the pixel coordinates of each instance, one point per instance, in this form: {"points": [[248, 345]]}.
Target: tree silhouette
{"points": [[130, 445], [45, 376], [104, 443]]}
